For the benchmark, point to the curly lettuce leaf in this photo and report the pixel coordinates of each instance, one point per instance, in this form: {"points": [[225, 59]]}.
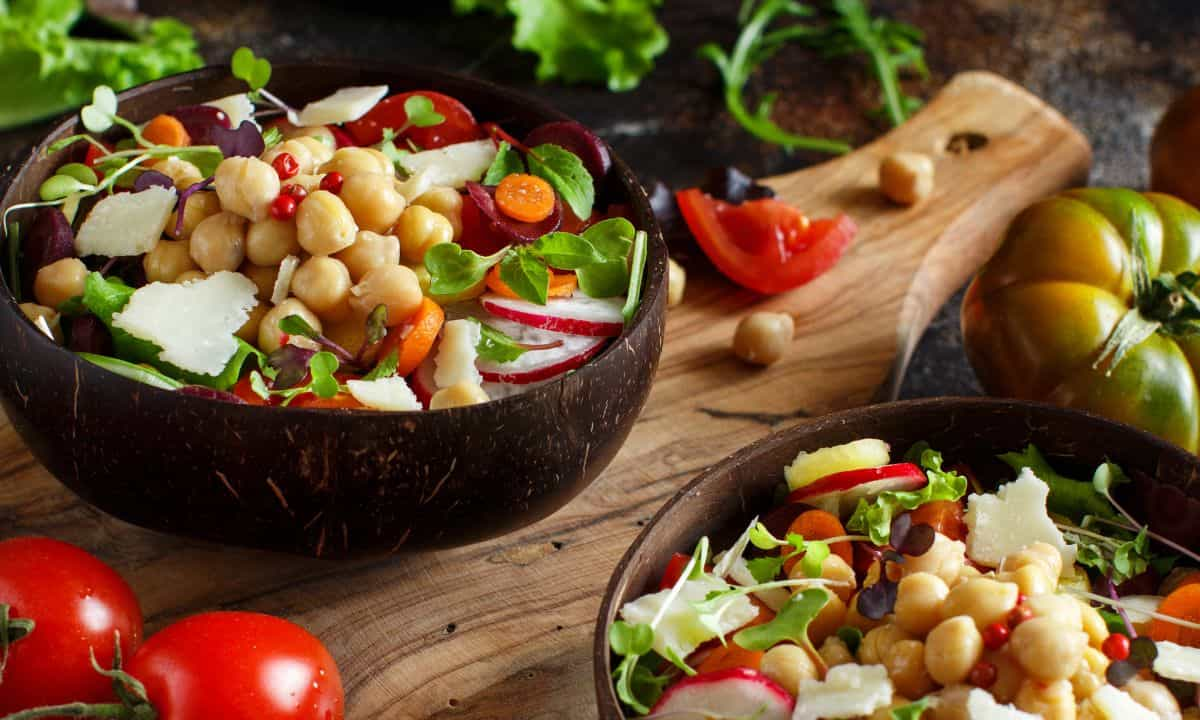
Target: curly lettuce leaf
{"points": [[46, 71], [874, 517]]}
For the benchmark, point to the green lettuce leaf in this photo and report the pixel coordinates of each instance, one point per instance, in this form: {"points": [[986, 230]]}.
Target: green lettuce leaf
{"points": [[874, 517], [1068, 497]]}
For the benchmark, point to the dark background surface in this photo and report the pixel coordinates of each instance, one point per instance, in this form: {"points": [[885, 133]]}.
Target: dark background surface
{"points": [[1110, 65]]}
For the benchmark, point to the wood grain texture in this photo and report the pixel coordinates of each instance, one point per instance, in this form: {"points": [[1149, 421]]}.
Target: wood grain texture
{"points": [[503, 629]]}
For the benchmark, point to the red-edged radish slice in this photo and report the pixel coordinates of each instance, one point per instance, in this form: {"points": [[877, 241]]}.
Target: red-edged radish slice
{"points": [[735, 692], [839, 493], [423, 385], [578, 315], [563, 352]]}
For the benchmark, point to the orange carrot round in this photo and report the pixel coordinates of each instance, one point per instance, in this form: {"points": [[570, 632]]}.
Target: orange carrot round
{"points": [[731, 655], [1184, 604], [819, 525], [413, 340], [527, 198], [166, 130], [562, 284]]}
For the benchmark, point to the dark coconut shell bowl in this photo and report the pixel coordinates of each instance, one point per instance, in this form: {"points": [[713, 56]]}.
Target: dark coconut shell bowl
{"points": [[722, 500], [328, 483]]}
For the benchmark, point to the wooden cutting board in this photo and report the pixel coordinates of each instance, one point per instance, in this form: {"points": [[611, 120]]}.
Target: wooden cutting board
{"points": [[503, 629]]}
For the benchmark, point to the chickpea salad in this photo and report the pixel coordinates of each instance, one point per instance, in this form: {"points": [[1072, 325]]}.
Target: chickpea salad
{"points": [[368, 251], [901, 590]]}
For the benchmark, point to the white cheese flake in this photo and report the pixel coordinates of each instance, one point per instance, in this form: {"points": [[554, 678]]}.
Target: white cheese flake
{"points": [[982, 706], [848, 691], [389, 394], [238, 108], [1011, 520], [1116, 704], [192, 324], [680, 628], [1177, 662], [345, 105], [453, 165], [457, 353], [283, 281], [126, 223]]}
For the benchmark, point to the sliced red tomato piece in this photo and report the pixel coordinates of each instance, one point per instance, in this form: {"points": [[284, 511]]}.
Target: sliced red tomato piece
{"points": [[674, 571], [341, 138], [765, 245], [459, 125]]}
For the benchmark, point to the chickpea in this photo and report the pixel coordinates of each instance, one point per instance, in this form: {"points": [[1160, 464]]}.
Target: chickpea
{"points": [[906, 178], [828, 620], [269, 241], [324, 225], [350, 332], [269, 334], [982, 599], [1030, 579], [374, 202], [876, 642], [834, 651], [321, 151], [395, 286], [247, 187], [198, 207], [460, 394], [351, 161], [444, 201], [190, 275], [262, 277], [905, 663], [1063, 610], [50, 316], [183, 173], [323, 284], [59, 281], [952, 649], [855, 619], [299, 152], [761, 338], [310, 183], [219, 242], [1155, 697], [968, 572], [919, 602], [945, 558], [1049, 700], [370, 250], [1093, 624], [249, 330], [832, 568], [788, 665], [1039, 553], [1009, 675], [1046, 650], [1091, 673], [676, 282], [167, 260], [320, 132]]}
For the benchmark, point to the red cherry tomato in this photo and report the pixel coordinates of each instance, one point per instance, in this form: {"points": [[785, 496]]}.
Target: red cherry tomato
{"points": [[341, 138], [674, 571], [238, 666], [765, 245], [459, 126], [76, 603]]}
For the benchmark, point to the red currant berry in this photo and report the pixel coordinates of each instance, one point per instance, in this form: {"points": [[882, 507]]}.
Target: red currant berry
{"points": [[1116, 647], [1022, 598], [285, 166], [983, 674], [283, 207], [1018, 615], [296, 191], [995, 635], [332, 182]]}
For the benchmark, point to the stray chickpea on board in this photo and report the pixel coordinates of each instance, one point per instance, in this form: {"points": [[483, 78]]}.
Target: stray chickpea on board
{"points": [[762, 338], [906, 178]]}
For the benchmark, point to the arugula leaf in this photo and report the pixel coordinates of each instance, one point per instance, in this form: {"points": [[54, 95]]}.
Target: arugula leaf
{"points": [[790, 624], [613, 42], [567, 174], [613, 240], [1071, 498], [567, 251], [911, 711], [453, 270], [874, 517], [386, 368], [508, 162], [496, 346], [251, 69], [418, 109], [526, 274]]}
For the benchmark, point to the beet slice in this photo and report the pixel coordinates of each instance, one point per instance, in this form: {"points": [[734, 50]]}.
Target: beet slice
{"points": [[520, 233], [202, 122], [578, 139], [49, 239]]}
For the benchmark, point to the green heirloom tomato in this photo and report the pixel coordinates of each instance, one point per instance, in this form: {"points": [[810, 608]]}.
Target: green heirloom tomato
{"points": [[1089, 304]]}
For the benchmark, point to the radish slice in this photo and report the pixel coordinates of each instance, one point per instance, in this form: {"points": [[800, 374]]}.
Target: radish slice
{"points": [[734, 693], [578, 315], [535, 365], [839, 493]]}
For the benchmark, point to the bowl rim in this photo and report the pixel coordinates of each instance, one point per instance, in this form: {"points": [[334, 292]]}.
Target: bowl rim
{"points": [[608, 704], [653, 283]]}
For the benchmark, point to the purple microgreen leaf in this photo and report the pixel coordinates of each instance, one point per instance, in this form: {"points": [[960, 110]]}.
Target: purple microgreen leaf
{"points": [[901, 524], [245, 141], [1142, 652], [290, 363], [152, 178], [1120, 672], [918, 540], [210, 394], [890, 555], [878, 600], [183, 198]]}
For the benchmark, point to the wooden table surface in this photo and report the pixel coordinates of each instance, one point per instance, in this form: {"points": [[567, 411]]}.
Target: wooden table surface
{"points": [[1110, 66]]}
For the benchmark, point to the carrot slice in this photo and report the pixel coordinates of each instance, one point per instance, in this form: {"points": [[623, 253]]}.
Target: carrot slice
{"points": [[732, 655], [1184, 604], [819, 525], [413, 340], [562, 284], [944, 516], [527, 198], [166, 130]]}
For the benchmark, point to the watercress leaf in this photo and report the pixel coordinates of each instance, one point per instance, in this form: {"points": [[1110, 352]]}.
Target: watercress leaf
{"points": [[567, 174], [420, 113], [627, 639], [1069, 497], [253, 70], [790, 625], [387, 146], [607, 279], [765, 569], [296, 325], [567, 251], [57, 187], [386, 367], [646, 686], [496, 346], [526, 274], [80, 172], [453, 270], [637, 272], [814, 555], [273, 136], [321, 367], [911, 711], [508, 162], [98, 116], [612, 238]]}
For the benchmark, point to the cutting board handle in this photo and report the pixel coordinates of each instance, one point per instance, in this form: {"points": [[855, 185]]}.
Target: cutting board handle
{"points": [[996, 148]]}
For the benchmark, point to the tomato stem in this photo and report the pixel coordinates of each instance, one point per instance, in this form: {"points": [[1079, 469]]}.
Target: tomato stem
{"points": [[11, 630]]}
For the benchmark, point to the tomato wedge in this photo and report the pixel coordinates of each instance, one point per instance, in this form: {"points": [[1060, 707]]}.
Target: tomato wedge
{"points": [[459, 125], [765, 245], [674, 571]]}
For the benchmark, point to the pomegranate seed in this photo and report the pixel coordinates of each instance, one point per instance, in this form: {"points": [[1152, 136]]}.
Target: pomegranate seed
{"points": [[1116, 646], [332, 182], [285, 166], [283, 207], [1018, 615], [995, 635], [296, 191], [1022, 598], [983, 674]]}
